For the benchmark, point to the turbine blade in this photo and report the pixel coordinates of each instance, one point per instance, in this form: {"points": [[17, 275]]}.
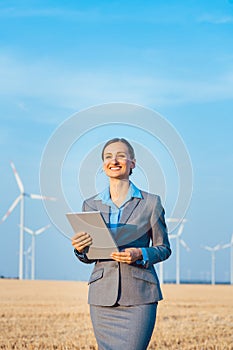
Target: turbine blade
{"points": [[207, 248], [176, 220], [26, 229], [18, 180], [180, 229], [172, 236], [42, 229], [28, 250], [38, 196], [12, 207], [184, 245], [172, 220], [226, 245], [232, 239]]}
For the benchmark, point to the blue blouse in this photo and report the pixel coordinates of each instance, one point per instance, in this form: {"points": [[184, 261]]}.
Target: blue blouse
{"points": [[116, 212]]}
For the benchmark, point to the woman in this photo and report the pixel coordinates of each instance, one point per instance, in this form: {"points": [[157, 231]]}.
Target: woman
{"points": [[124, 290]]}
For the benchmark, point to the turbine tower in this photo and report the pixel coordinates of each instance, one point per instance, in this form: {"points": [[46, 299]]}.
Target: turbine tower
{"points": [[179, 242], [213, 251], [161, 272], [230, 245], [34, 234], [20, 199], [27, 258]]}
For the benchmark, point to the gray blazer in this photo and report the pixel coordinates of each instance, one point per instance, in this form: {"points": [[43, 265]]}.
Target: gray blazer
{"points": [[142, 224]]}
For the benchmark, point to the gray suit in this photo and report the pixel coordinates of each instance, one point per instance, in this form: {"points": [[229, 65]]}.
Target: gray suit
{"points": [[111, 282]]}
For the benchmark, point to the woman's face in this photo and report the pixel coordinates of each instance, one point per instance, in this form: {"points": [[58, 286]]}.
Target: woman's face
{"points": [[117, 162]]}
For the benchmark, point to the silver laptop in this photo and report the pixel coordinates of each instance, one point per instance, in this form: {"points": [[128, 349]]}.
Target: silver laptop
{"points": [[92, 222]]}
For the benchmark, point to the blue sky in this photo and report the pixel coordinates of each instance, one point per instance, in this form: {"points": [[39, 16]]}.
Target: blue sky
{"points": [[175, 57]]}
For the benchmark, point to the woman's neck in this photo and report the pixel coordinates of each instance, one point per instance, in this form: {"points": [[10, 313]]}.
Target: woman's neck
{"points": [[118, 190]]}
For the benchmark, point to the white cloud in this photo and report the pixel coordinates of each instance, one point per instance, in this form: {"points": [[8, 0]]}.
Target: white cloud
{"points": [[47, 12], [75, 88], [107, 12], [22, 106], [215, 19]]}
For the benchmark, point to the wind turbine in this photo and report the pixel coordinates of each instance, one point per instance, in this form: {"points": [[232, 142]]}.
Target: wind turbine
{"points": [[20, 199], [178, 242], [161, 272], [27, 258], [34, 234], [230, 245], [213, 251]]}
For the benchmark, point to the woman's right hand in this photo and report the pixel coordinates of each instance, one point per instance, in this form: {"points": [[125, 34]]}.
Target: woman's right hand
{"points": [[81, 240]]}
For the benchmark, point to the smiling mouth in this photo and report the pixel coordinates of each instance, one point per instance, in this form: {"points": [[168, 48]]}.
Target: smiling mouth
{"points": [[115, 168]]}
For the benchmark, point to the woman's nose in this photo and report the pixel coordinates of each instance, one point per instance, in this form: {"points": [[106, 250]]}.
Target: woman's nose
{"points": [[114, 159]]}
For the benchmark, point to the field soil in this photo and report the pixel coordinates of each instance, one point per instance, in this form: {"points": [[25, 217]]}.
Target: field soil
{"points": [[55, 315]]}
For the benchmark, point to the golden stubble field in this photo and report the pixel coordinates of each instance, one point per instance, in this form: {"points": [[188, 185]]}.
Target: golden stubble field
{"points": [[55, 315]]}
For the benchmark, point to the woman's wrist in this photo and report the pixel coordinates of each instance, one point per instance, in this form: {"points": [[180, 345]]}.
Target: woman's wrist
{"points": [[140, 257]]}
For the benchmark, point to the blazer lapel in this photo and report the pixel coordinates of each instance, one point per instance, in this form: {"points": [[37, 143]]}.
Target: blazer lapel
{"points": [[128, 209], [125, 232], [104, 209]]}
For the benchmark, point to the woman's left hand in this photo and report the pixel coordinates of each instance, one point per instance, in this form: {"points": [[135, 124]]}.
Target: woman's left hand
{"points": [[128, 256]]}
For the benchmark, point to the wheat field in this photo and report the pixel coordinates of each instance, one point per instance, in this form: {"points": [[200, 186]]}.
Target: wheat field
{"points": [[55, 315]]}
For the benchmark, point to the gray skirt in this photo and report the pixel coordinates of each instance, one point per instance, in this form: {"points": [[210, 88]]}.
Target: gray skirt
{"points": [[123, 327]]}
